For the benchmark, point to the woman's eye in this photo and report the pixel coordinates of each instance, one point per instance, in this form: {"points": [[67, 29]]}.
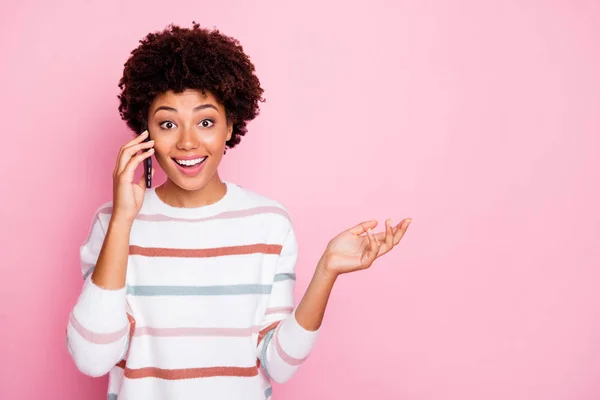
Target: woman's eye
{"points": [[167, 125], [206, 123]]}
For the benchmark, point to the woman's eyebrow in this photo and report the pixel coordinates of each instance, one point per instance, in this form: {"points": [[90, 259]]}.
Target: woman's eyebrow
{"points": [[198, 108]]}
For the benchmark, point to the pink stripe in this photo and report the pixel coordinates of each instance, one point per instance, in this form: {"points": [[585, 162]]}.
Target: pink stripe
{"points": [[275, 310], [98, 338], [105, 210], [224, 215], [285, 356], [179, 332]]}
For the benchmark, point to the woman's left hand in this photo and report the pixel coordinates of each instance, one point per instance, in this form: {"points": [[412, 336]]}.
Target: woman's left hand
{"points": [[353, 250]]}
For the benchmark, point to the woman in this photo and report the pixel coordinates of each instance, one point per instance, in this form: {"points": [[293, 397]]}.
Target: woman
{"points": [[188, 289]]}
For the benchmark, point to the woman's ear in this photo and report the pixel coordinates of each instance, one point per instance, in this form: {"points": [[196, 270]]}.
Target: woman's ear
{"points": [[229, 130]]}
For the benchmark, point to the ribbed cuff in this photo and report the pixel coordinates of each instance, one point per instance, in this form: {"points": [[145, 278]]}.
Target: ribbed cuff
{"points": [[294, 339], [101, 310]]}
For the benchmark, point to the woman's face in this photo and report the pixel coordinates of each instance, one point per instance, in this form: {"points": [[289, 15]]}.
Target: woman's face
{"points": [[189, 130]]}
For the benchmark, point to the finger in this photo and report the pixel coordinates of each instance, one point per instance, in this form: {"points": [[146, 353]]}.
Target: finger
{"points": [[388, 241], [131, 151], [373, 248], [381, 235], [375, 245], [140, 138], [401, 230], [133, 163], [377, 242], [363, 227]]}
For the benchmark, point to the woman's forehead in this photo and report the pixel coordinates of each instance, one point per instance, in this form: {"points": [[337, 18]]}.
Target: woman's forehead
{"points": [[188, 99]]}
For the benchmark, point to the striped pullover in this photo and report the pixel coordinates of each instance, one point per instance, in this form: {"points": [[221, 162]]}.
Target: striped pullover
{"points": [[207, 311]]}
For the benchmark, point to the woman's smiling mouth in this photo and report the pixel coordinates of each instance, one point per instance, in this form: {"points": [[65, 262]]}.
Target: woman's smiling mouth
{"points": [[190, 166]]}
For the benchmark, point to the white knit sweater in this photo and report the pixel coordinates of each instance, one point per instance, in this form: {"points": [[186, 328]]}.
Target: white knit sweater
{"points": [[207, 311]]}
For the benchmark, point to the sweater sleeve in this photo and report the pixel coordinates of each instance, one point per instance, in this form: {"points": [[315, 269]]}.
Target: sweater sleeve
{"points": [[98, 326], [284, 344]]}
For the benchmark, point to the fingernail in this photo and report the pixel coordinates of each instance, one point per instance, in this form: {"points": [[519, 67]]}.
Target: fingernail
{"points": [[145, 132], [389, 221], [409, 220]]}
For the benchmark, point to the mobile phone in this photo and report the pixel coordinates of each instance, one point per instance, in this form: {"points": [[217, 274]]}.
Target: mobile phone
{"points": [[148, 166]]}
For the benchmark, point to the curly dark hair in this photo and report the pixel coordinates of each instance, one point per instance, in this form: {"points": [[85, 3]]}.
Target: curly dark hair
{"points": [[190, 58]]}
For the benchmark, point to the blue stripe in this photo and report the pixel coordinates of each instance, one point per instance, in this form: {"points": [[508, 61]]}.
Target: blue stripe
{"points": [[284, 277], [268, 392], [263, 353], [198, 290]]}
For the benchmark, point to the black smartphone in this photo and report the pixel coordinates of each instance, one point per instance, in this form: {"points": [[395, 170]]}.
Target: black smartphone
{"points": [[148, 166]]}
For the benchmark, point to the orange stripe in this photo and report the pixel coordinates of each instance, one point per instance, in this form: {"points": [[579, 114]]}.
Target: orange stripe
{"points": [[190, 373], [214, 252], [263, 333], [131, 326]]}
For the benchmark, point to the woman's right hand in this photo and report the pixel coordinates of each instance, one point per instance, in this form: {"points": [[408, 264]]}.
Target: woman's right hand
{"points": [[128, 196]]}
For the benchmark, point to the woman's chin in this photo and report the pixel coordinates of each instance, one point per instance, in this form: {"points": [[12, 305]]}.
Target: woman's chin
{"points": [[188, 183]]}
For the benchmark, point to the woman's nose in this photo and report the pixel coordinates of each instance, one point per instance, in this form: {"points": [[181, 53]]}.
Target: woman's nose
{"points": [[188, 139]]}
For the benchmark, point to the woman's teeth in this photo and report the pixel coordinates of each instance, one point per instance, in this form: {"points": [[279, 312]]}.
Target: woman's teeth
{"points": [[190, 163]]}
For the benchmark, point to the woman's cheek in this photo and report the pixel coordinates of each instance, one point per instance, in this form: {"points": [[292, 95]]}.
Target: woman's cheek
{"points": [[161, 148], [161, 153], [215, 140]]}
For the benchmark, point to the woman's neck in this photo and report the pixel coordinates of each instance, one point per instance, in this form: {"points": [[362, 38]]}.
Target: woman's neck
{"points": [[175, 196]]}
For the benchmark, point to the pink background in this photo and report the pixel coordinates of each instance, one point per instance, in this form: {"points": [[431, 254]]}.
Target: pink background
{"points": [[479, 119]]}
